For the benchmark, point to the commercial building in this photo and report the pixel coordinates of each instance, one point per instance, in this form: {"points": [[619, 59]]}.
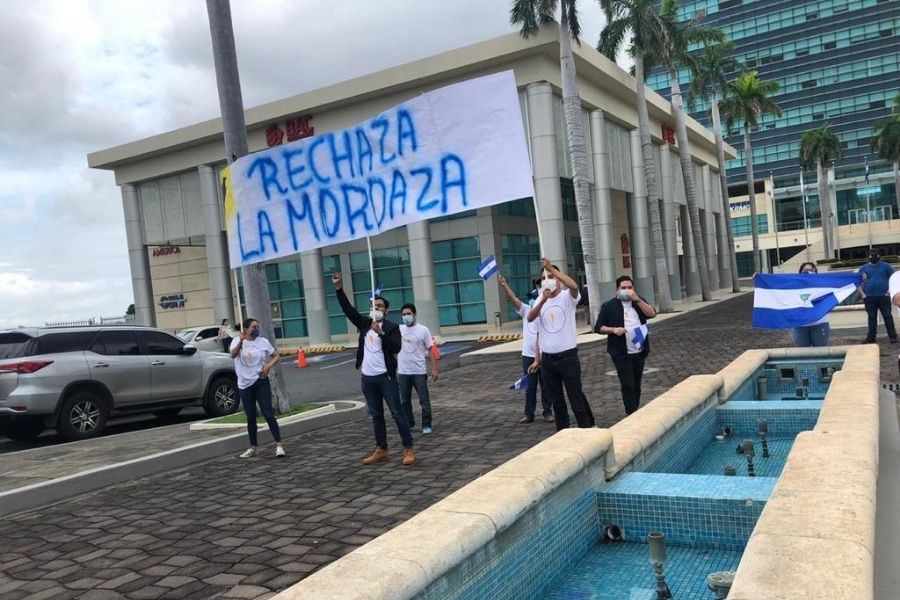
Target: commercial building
{"points": [[837, 62], [173, 203]]}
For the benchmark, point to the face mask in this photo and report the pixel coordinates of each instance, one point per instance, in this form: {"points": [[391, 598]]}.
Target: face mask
{"points": [[408, 320], [808, 271], [549, 284], [874, 259], [624, 295], [531, 302], [254, 333], [376, 315]]}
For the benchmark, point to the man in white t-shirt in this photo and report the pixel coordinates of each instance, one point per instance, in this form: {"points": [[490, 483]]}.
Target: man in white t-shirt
{"points": [[894, 294], [411, 373], [555, 313], [531, 358]]}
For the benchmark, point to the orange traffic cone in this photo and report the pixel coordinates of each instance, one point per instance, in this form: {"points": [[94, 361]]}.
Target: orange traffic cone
{"points": [[301, 358], [435, 351]]}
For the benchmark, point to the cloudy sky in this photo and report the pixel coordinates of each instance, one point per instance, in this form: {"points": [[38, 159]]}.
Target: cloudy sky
{"points": [[83, 75]]}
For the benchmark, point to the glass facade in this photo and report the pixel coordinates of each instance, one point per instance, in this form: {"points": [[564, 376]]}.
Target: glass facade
{"points": [[837, 61], [521, 264], [882, 203], [741, 225], [337, 320], [459, 288], [392, 273], [286, 296]]}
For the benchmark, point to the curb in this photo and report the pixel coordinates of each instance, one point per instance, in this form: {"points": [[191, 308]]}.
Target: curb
{"points": [[37, 495], [499, 337], [318, 349]]}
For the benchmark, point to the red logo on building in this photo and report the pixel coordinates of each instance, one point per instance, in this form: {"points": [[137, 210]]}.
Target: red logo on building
{"points": [[166, 250], [297, 129], [668, 135], [274, 135]]}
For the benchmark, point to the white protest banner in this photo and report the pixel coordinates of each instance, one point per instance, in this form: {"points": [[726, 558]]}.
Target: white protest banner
{"points": [[453, 149]]}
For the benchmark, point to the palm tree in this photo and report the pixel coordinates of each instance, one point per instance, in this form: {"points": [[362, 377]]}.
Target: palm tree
{"points": [[529, 15], [886, 143], [708, 82], [639, 19], [746, 100], [671, 51], [818, 147]]}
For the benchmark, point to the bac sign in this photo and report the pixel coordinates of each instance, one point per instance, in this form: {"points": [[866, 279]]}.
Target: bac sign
{"points": [[297, 129]]}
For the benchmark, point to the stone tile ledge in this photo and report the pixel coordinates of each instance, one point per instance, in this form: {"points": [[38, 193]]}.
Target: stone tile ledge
{"points": [[304, 416]]}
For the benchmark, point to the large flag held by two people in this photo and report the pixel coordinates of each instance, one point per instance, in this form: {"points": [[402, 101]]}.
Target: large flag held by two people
{"points": [[786, 301]]}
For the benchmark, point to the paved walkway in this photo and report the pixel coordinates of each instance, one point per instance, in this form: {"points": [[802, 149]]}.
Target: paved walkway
{"points": [[245, 529]]}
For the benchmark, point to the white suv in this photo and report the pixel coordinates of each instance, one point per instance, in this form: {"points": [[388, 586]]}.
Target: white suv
{"points": [[74, 378]]}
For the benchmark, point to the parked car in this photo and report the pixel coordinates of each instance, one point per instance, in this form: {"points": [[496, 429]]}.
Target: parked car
{"points": [[74, 378], [203, 338]]}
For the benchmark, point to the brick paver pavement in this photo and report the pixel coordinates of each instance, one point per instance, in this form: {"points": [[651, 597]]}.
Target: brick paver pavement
{"points": [[246, 528]]}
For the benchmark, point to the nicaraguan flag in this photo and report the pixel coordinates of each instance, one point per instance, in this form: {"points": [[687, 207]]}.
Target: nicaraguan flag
{"points": [[521, 384], [640, 334], [377, 291], [785, 301], [488, 267]]}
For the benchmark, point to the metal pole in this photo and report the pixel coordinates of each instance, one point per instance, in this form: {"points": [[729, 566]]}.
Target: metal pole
{"points": [[775, 220], [869, 216], [228, 82], [371, 271], [805, 223]]}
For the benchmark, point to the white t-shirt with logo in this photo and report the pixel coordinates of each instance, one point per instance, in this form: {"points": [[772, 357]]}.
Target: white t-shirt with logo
{"points": [[248, 364], [557, 323], [529, 332], [373, 355], [416, 341], [632, 322]]}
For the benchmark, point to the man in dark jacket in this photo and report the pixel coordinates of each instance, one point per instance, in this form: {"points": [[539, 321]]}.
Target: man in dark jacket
{"points": [[621, 320], [376, 358]]}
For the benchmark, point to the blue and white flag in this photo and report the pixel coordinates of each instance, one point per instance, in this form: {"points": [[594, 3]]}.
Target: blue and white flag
{"points": [[377, 291], [640, 335], [521, 383], [488, 268], [785, 301]]}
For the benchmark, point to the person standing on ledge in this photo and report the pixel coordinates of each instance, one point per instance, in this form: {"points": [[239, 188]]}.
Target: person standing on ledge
{"points": [[416, 343], [620, 319], [376, 358], [531, 358], [555, 313], [254, 357], [874, 292]]}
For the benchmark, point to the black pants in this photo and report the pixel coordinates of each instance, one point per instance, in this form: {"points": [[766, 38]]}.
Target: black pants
{"points": [[874, 305], [564, 370], [630, 369]]}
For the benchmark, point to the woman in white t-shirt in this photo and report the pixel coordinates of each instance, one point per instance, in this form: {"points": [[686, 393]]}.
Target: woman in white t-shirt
{"points": [[254, 357], [817, 333]]}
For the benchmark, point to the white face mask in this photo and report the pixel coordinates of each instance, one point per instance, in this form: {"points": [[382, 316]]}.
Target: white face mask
{"points": [[624, 295], [376, 315], [549, 284]]}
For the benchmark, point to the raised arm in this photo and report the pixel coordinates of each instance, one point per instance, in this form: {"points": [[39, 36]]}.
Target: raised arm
{"points": [[349, 310], [509, 293], [560, 276]]}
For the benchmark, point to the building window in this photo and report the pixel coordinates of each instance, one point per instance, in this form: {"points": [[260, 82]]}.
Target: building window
{"points": [[286, 294], [570, 211], [459, 288], [744, 263], [741, 225], [575, 259], [523, 207], [336, 320], [521, 264], [392, 272], [463, 215]]}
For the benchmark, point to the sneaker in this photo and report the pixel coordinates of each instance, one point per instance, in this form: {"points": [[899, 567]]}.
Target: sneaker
{"points": [[426, 431], [549, 419], [379, 455], [409, 456], [526, 420], [248, 453], [279, 452]]}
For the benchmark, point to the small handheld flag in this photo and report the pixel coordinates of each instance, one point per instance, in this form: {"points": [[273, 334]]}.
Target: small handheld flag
{"points": [[377, 292], [488, 268], [785, 301], [640, 334], [521, 383]]}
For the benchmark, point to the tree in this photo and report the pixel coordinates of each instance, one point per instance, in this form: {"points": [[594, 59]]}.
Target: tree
{"points": [[130, 309], [529, 15], [886, 143], [671, 50], [818, 147], [746, 100], [709, 72], [635, 21]]}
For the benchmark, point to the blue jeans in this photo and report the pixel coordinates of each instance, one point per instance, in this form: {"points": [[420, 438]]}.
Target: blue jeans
{"points": [[260, 392], [812, 335], [378, 390], [881, 304], [531, 391], [420, 382]]}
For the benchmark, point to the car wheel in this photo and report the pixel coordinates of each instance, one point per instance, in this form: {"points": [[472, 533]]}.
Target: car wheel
{"points": [[24, 429], [83, 416], [166, 414], [221, 397]]}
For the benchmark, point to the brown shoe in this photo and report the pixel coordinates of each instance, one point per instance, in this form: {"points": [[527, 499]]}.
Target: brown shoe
{"points": [[526, 420], [379, 455], [409, 456], [549, 419]]}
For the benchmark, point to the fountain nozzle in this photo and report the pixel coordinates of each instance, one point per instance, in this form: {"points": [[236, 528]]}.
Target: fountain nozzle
{"points": [[656, 540], [747, 449], [763, 432]]}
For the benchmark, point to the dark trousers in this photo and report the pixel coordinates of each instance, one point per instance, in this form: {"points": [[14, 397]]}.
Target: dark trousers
{"points": [[564, 370], [874, 305], [630, 369], [226, 345], [259, 393], [531, 390], [379, 390], [420, 383]]}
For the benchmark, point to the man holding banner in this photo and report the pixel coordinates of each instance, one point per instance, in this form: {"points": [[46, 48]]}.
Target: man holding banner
{"points": [[376, 358], [555, 313], [788, 301]]}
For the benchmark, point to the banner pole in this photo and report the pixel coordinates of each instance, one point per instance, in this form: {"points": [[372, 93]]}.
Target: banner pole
{"points": [[537, 221], [371, 269]]}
